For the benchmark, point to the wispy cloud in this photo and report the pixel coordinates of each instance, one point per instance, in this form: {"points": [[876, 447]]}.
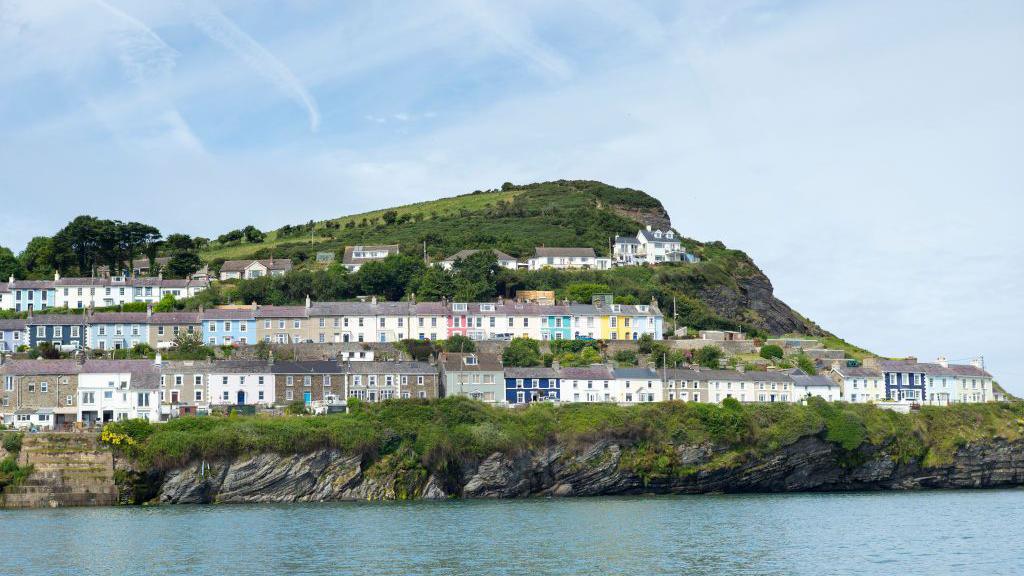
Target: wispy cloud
{"points": [[222, 30], [143, 53], [514, 35]]}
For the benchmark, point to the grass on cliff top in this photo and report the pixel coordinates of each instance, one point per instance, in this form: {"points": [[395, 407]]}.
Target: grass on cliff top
{"points": [[441, 433]]}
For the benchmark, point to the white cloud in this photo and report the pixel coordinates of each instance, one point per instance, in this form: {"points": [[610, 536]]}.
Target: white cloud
{"points": [[222, 30]]}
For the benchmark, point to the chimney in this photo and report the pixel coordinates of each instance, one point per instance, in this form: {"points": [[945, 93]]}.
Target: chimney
{"points": [[648, 227], [149, 310], [79, 357], [556, 365], [741, 368], [412, 297], [10, 281], [373, 300], [254, 305], [979, 362], [159, 360], [941, 361], [270, 358], [911, 359], [835, 364], [501, 300], [56, 275], [308, 302]]}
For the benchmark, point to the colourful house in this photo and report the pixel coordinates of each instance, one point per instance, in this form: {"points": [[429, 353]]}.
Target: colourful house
{"points": [[229, 326], [525, 385]]}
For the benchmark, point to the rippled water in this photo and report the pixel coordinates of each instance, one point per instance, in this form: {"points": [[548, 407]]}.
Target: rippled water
{"points": [[963, 532]]}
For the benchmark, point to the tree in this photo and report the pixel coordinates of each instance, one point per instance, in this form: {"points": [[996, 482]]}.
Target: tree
{"points": [[584, 291], [459, 343], [708, 356], [419, 350], [434, 284], [475, 276], [183, 264], [177, 243], [252, 234], [644, 344], [805, 363], [227, 238], [772, 352], [522, 352], [37, 258], [390, 217], [505, 187], [9, 265], [166, 304], [391, 276]]}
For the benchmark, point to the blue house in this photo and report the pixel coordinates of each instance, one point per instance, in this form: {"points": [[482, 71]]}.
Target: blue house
{"points": [[25, 295], [525, 385], [904, 379], [12, 335], [557, 324], [227, 327], [66, 331], [117, 330]]}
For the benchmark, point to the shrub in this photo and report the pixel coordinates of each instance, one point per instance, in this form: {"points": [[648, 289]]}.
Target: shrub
{"points": [[625, 358], [772, 352], [708, 356], [12, 442]]}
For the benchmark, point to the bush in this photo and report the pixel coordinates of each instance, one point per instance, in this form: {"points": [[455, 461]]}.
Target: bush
{"points": [[12, 442], [772, 352], [296, 408], [708, 356], [459, 343], [625, 358]]}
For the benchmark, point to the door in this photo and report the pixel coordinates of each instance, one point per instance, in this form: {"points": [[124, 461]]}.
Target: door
{"points": [[241, 397], [307, 396], [175, 396]]}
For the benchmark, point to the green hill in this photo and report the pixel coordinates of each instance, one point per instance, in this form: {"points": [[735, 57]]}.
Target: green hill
{"points": [[725, 289]]}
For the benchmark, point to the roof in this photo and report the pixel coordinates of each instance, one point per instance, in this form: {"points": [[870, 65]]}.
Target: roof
{"points": [[39, 367], [307, 367], [544, 252], [648, 235], [530, 372], [969, 370], [502, 257], [229, 314], [404, 367], [56, 319], [15, 324], [241, 367], [626, 240], [280, 264], [726, 375], [594, 372], [455, 362], [857, 372], [635, 373], [29, 285], [623, 310], [349, 259], [282, 312], [118, 318], [175, 318], [813, 381]]}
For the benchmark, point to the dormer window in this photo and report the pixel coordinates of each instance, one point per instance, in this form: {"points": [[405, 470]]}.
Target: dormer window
{"points": [[458, 306], [471, 361], [669, 235], [616, 308], [487, 307], [641, 308], [657, 233]]}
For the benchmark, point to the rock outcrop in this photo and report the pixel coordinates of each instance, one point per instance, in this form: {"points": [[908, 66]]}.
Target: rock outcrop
{"points": [[810, 464]]}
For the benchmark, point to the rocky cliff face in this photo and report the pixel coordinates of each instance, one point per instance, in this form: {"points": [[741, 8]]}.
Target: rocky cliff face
{"points": [[811, 464]]}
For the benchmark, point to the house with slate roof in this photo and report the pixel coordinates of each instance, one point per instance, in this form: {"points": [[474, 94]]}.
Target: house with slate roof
{"points": [[504, 260], [355, 256], [649, 246], [248, 269], [24, 295], [565, 258]]}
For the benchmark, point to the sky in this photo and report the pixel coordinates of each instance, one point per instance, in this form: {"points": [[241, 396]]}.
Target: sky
{"points": [[867, 155]]}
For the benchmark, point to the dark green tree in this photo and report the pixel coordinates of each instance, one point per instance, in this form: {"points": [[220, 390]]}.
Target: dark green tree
{"points": [[522, 352], [772, 352], [9, 265]]}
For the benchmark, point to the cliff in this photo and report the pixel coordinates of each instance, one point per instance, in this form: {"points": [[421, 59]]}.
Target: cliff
{"points": [[810, 464]]}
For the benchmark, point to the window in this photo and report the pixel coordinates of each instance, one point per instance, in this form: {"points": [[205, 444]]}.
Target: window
{"points": [[44, 386], [69, 400], [289, 395], [31, 386], [88, 397], [143, 399], [307, 380], [289, 380], [199, 395], [9, 383], [197, 380]]}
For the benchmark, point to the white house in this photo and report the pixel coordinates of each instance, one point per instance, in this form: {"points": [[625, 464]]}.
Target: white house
{"points": [[649, 247], [235, 269], [356, 256], [805, 386], [504, 260], [116, 290], [563, 258], [241, 382], [860, 384], [110, 390]]}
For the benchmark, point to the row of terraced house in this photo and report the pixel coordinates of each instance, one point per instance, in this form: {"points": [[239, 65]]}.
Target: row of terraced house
{"points": [[337, 322], [62, 393]]}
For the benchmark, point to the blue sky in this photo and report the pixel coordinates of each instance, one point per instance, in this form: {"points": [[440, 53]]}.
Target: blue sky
{"points": [[866, 154]]}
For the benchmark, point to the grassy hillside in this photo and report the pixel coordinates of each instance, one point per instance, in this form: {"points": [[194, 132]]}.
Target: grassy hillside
{"points": [[515, 220]]}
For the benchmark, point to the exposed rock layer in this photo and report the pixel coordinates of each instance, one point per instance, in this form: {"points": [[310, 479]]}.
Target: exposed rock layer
{"points": [[810, 464]]}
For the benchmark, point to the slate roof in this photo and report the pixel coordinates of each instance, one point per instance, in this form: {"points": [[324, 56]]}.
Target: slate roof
{"points": [[454, 362], [241, 367], [626, 240], [726, 375], [404, 367], [229, 314], [118, 318], [857, 372], [636, 373], [175, 318], [307, 367], [27, 285], [56, 320], [813, 381], [648, 235], [530, 372], [596, 372], [544, 252], [282, 312], [969, 371], [12, 325], [39, 367], [502, 257], [274, 265]]}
